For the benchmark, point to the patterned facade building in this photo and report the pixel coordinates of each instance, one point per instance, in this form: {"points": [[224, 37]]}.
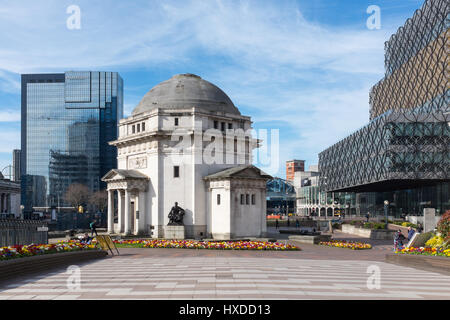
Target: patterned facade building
{"points": [[403, 154]]}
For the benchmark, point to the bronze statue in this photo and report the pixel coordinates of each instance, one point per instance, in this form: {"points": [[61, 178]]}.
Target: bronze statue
{"points": [[176, 215]]}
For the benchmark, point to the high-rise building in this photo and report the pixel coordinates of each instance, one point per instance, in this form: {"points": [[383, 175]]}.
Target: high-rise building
{"points": [[67, 120], [403, 154], [293, 166], [16, 165]]}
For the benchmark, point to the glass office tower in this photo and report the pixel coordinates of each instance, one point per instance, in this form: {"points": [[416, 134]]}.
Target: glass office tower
{"points": [[67, 121]]}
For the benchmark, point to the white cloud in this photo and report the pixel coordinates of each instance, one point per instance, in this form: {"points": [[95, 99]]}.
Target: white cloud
{"points": [[158, 32], [10, 140], [9, 115], [9, 82], [270, 60]]}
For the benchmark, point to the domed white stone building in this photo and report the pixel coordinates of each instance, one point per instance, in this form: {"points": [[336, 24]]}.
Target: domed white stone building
{"points": [[186, 142]]}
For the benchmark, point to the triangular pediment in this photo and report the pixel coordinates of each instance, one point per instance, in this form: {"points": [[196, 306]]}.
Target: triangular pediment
{"points": [[121, 174], [251, 172], [244, 172]]}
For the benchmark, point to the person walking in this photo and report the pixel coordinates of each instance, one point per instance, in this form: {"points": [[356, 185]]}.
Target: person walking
{"points": [[367, 217], [276, 224], [93, 227], [419, 228], [288, 222], [297, 224], [410, 233]]}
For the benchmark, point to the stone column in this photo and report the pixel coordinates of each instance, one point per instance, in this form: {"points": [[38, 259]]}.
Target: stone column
{"points": [[263, 204], [141, 229], [110, 211], [8, 203], [120, 210], [127, 213], [429, 219]]}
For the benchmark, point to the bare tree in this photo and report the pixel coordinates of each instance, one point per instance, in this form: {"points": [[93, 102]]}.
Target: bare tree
{"points": [[77, 194], [99, 200]]}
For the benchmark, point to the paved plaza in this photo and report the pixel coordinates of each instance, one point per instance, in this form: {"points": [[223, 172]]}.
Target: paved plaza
{"points": [[316, 272]]}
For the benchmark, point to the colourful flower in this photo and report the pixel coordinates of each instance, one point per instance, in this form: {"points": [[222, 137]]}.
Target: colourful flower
{"points": [[346, 244], [218, 245]]}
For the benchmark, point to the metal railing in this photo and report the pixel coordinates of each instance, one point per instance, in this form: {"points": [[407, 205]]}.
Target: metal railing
{"points": [[22, 232]]}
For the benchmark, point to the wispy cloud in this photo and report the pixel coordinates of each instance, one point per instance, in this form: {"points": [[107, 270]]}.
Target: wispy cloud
{"points": [[9, 82], [276, 65], [10, 115], [10, 141]]}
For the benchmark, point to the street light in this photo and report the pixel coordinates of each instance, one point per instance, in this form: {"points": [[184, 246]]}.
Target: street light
{"points": [[386, 206]]}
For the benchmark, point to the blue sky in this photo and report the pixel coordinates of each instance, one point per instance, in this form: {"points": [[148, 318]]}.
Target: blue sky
{"points": [[303, 67]]}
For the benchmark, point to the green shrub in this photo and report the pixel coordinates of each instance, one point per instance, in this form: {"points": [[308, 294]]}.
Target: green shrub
{"points": [[443, 226], [423, 238], [337, 226], [409, 224], [379, 226], [373, 225]]}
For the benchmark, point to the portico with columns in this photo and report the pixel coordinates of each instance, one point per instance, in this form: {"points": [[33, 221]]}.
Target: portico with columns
{"points": [[126, 201]]}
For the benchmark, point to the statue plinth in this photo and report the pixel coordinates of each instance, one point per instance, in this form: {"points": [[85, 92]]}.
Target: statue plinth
{"points": [[174, 232]]}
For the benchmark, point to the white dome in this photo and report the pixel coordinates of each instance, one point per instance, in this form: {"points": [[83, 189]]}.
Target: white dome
{"points": [[186, 90]]}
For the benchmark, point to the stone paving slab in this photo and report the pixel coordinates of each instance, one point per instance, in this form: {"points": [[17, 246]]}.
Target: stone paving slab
{"points": [[230, 277]]}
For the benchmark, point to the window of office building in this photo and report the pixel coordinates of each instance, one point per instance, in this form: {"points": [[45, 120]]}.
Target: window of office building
{"points": [[176, 171]]}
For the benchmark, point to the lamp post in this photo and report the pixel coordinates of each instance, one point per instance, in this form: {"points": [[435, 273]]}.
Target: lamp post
{"points": [[386, 206]]}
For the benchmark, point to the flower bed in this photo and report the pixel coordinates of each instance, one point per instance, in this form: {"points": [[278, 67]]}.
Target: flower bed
{"points": [[346, 244], [425, 251], [217, 245], [20, 251]]}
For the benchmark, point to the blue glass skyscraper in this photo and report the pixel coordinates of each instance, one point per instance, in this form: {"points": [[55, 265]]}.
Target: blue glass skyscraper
{"points": [[67, 121]]}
